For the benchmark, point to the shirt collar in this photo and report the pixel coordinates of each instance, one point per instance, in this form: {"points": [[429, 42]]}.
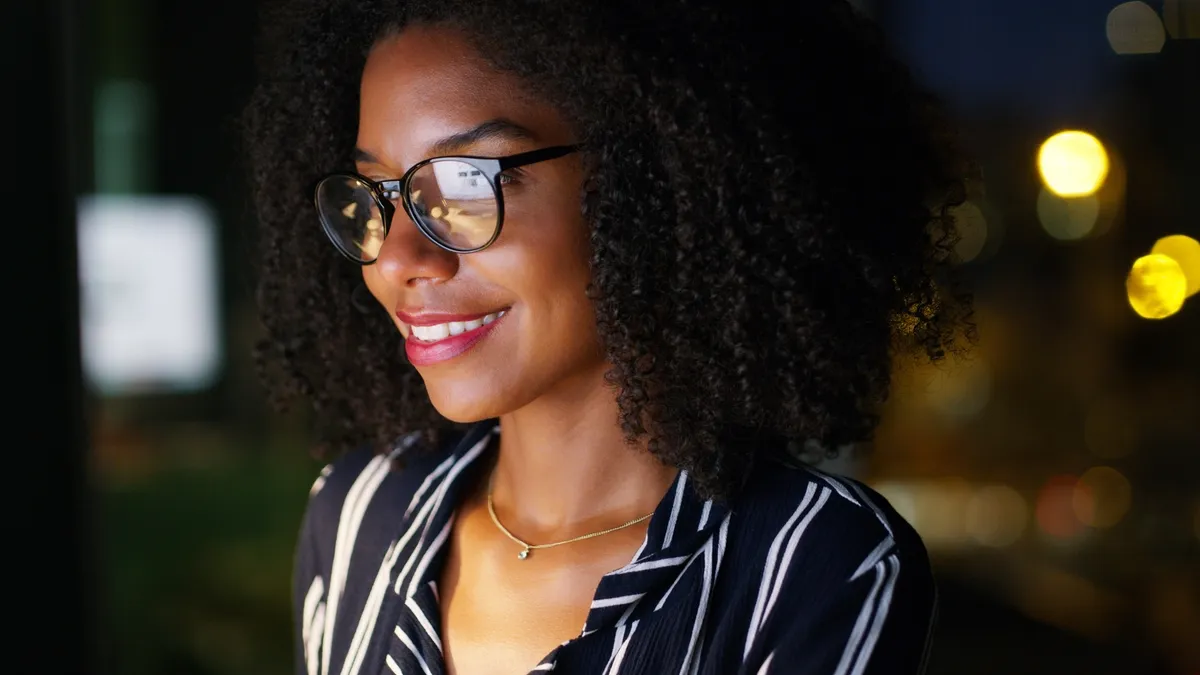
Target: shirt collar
{"points": [[680, 525]]}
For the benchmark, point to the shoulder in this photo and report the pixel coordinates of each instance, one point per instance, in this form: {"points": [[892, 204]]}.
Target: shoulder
{"points": [[365, 481], [348, 479], [834, 578], [833, 526], [354, 508]]}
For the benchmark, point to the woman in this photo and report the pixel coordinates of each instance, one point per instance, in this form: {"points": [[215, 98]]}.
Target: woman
{"points": [[580, 281]]}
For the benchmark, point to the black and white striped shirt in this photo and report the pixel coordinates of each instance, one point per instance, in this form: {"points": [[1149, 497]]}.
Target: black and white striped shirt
{"points": [[804, 573]]}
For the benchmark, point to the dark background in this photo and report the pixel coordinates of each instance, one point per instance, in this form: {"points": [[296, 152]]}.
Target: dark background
{"points": [[152, 531]]}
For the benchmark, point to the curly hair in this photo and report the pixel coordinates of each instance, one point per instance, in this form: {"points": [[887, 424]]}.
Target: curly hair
{"points": [[768, 194]]}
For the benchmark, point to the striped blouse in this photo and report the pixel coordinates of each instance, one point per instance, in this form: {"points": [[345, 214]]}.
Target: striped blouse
{"points": [[805, 573]]}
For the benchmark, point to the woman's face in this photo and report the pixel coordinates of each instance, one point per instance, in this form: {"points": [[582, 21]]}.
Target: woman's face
{"points": [[419, 89]]}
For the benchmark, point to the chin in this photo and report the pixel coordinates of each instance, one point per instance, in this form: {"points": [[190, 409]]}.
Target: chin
{"points": [[467, 402]]}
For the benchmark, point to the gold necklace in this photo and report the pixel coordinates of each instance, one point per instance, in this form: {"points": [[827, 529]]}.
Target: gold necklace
{"points": [[526, 547]]}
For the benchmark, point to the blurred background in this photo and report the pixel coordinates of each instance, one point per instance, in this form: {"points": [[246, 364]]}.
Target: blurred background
{"points": [[1054, 472]]}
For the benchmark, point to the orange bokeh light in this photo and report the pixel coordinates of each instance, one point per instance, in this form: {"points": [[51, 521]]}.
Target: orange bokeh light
{"points": [[1057, 506]]}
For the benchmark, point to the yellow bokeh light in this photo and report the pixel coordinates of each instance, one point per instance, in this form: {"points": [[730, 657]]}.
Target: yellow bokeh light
{"points": [[1134, 28], [941, 506], [1073, 163], [996, 515], [1185, 251], [1102, 497], [1067, 218], [1156, 286]]}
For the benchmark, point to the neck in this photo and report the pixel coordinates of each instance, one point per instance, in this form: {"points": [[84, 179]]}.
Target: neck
{"points": [[564, 465]]}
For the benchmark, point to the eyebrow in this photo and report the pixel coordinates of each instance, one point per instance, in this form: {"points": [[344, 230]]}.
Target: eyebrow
{"points": [[493, 129]]}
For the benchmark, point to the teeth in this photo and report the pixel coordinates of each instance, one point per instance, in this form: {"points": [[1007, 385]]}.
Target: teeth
{"points": [[442, 331], [432, 333]]}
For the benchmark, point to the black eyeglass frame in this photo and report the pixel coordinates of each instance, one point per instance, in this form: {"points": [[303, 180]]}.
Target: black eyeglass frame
{"points": [[385, 191]]}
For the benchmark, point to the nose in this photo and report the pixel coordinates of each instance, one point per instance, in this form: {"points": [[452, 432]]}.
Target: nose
{"points": [[409, 258]]}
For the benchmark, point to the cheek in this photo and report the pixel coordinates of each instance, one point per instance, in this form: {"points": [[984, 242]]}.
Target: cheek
{"points": [[381, 295], [551, 236], [375, 285], [545, 254], [541, 258], [562, 318]]}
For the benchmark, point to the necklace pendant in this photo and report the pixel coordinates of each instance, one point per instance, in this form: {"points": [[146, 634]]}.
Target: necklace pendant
{"points": [[523, 554]]}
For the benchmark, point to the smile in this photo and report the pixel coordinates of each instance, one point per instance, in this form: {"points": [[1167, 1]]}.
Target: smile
{"points": [[441, 331], [428, 343]]}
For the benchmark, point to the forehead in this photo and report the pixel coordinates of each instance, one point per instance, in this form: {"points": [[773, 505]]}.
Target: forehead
{"points": [[426, 83]]}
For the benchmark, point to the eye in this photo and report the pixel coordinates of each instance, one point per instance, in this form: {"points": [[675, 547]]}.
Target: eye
{"points": [[508, 177]]}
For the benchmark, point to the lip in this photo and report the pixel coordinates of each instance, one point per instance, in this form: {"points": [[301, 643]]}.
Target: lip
{"points": [[424, 318], [421, 353]]}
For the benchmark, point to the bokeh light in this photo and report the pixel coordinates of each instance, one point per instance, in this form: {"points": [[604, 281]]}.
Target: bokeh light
{"points": [[1083, 503], [1072, 163], [996, 515], [1067, 218], [1156, 286], [960, 387], [1055, 509], [941, 509], [1185, 251], [1102, 497], [972, 228], [1134, 28]]}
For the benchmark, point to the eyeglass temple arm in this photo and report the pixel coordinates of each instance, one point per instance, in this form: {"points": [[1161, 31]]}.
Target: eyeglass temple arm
{"points": [[539, 155]]}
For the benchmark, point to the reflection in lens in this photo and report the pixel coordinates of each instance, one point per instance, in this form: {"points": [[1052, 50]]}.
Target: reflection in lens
{"points": [[372, 239], [351, 217], [456, 202]]}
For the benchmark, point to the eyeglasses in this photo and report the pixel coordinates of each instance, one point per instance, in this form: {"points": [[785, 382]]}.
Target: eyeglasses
{"points": [[455, 201]]}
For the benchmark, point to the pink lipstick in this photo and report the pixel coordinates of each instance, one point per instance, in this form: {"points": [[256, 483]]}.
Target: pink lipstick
{"points": [[434, 337]]}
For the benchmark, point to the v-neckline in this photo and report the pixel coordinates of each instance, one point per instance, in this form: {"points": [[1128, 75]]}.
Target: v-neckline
{"points": [[680, 523]]}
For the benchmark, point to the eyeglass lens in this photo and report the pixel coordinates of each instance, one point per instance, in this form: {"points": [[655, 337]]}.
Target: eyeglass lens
{"points": [[453, 200]]}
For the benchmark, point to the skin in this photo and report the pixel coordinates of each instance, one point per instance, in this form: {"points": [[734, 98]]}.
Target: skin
{"points": [[563, 468]]}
